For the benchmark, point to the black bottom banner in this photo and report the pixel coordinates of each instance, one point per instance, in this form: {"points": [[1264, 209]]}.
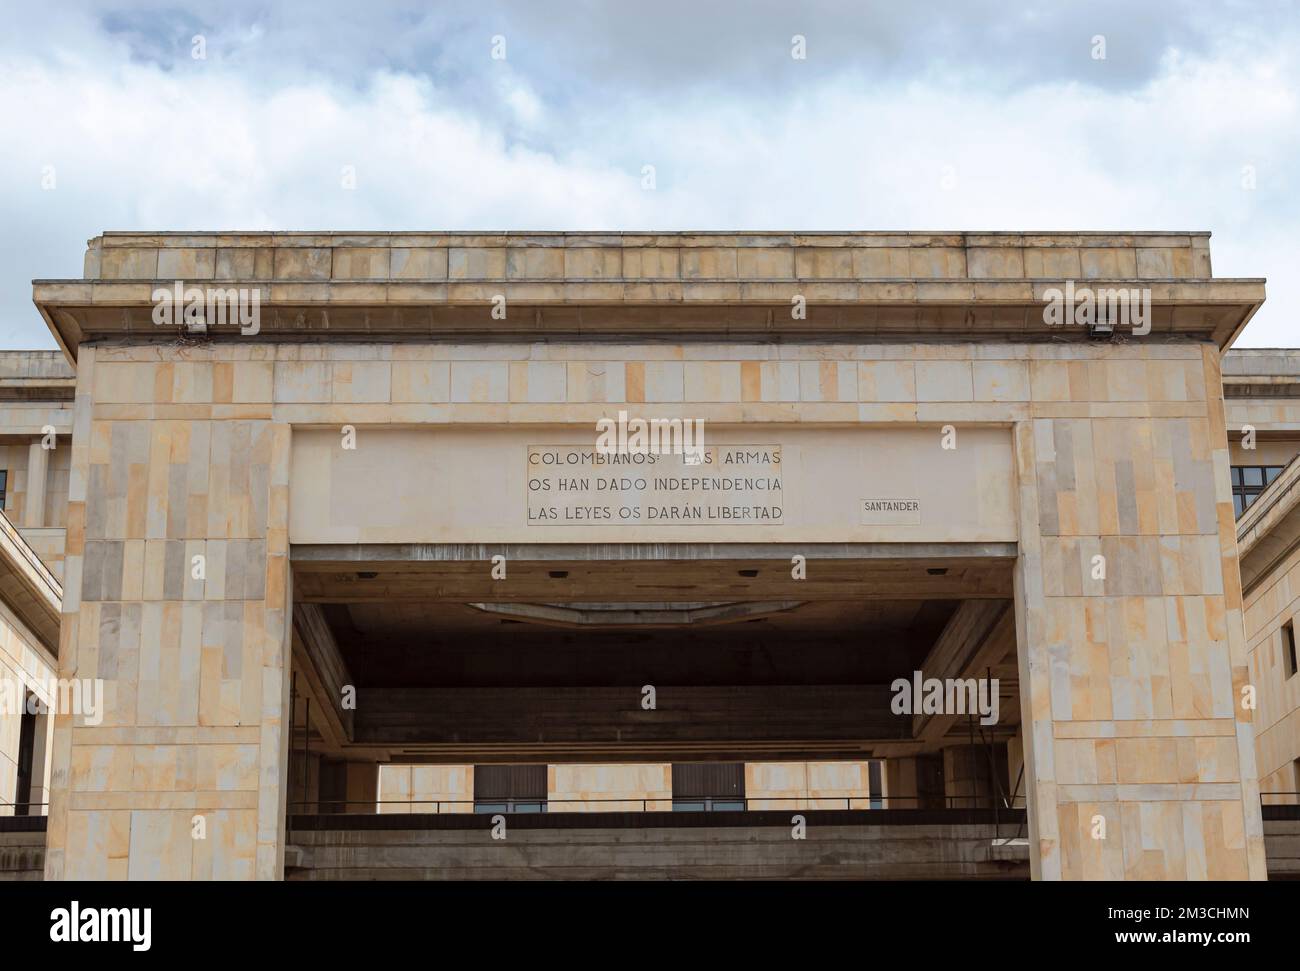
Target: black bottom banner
{"points": [[543, 922]]}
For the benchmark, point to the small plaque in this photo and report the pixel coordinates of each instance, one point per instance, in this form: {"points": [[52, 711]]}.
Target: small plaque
{"points": [[891, 512]]}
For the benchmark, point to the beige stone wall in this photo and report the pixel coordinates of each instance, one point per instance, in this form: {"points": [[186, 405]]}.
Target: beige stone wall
{"points": [[426, 788], [1131, 683], [24, 666], [1278, 416], [30, 419], [1275, 599], [1269, 605], [1276, 421], [591, 787], [195, 670], [477, 486], [1271, 452], [1120, 451], [809, 785], [48, 538], [48, 544], [317, 259]]}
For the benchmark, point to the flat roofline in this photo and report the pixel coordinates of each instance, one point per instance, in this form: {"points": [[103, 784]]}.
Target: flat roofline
{"points": [[172, 233], [1037, 282], [1261, 365], [715, 284]]}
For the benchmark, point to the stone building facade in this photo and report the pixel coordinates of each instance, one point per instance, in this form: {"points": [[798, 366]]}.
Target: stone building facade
{"points": [[939, 441]]}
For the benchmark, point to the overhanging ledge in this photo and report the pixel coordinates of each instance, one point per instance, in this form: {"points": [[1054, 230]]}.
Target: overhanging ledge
{"points": [[600, 552], [854, 286], [560, 573]]}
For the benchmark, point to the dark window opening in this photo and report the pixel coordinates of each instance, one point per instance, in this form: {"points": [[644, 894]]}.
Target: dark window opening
{"points": [[930, 788], [1288, 648], [1248, 481], [333, 786], [708, 786], [4, 485], [26, 757], [510, 788], [875, 789]]}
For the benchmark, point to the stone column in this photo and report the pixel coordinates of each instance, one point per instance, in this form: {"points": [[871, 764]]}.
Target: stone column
{"points": [[177, 597], [363, 787], [1139, 758], [41, 753], [968, 777], [37, 472], [900, 783]]}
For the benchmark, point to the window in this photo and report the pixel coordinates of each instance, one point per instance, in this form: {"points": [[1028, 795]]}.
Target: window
{"points": [[1248, 481], [510, 788], [708, 786], [4, 484], [1288, 648], [874, 783], [26, 758]]}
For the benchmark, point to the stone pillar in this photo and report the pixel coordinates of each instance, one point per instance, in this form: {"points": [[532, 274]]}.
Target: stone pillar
{"points": [[900, 783], [37, 473], [363, 786], [1139, 757], [915, 782], [177, 597], [969, 778], [41, 752]]}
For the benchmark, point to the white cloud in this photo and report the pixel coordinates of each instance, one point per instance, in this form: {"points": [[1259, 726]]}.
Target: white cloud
{"points": [[215, 145]]}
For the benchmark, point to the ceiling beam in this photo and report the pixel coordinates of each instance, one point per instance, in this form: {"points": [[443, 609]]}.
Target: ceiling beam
{"points": [[317, 658], [582, 580], [977, 637]]}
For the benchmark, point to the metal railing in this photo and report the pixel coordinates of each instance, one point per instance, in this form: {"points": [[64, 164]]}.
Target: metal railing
{"points": [[23, 816], [667, 803], [1284, 798], [8, 808]]}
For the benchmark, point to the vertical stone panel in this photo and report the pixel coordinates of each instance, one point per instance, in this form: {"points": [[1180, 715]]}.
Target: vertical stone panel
{"points": [[185, 777], [1140, 760]]}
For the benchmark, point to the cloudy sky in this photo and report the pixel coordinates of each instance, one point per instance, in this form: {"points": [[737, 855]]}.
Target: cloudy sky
{"points": [[969, 115]]}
